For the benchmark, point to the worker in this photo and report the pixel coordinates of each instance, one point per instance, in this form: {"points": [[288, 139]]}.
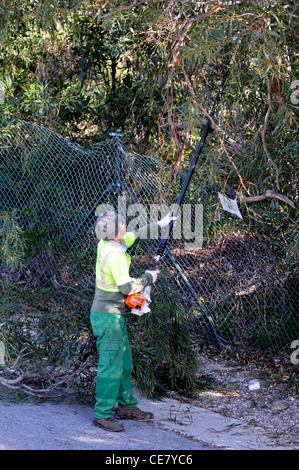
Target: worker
{"points": [[108, 320]]}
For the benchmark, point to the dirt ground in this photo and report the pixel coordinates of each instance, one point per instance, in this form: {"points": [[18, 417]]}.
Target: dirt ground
{"points": [[274, 407]]}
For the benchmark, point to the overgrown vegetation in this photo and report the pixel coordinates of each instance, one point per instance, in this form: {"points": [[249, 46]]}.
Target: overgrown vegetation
{"points": [[50, 351], [151, 69], [164, 354]]}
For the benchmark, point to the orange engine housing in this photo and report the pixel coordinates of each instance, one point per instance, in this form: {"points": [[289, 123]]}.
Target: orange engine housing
{"points": [[135, 301]]}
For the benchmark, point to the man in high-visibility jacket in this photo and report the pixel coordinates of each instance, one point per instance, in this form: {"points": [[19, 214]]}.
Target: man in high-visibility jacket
{"points": [[113, 284]]}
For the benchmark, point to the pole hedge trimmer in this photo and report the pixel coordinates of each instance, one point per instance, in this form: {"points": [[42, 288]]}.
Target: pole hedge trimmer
{"points": [[139, 303]]}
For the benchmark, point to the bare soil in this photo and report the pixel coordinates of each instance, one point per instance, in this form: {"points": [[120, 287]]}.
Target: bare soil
{"points": [[274, 407]]}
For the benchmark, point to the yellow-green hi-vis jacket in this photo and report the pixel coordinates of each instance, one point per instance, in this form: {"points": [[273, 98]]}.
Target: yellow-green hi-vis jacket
{"points": [[113, 281]]}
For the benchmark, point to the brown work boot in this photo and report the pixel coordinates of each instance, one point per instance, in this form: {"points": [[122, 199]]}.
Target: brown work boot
{"points": [[135, 414], [109, 424]]}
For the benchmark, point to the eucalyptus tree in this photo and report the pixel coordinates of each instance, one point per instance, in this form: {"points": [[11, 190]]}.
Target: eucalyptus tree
{"points": [[253, 152], [153, 69]]}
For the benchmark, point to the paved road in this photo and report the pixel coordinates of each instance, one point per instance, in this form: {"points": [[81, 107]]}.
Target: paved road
{"points": [[48, 426]]}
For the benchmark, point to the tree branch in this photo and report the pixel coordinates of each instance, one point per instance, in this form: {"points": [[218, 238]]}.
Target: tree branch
{"points": [[268, 194], [263, 132], [215, 127]]}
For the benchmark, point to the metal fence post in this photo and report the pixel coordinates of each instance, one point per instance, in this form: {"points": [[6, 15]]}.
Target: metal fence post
{"points": [[118, 141]]}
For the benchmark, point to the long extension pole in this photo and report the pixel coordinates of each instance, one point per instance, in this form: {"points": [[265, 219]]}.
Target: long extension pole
{"points": [[198, 150], [163, 241]]}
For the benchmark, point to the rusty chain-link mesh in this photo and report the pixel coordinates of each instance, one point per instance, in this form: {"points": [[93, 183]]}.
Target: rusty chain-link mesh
{"points": [[234, 288]]}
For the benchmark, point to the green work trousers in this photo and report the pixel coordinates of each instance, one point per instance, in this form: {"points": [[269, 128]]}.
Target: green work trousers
{"points": [[115, 364]]}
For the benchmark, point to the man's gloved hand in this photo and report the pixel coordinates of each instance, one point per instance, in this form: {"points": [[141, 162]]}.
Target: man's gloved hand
{"points": [[154, 275], [167, 219]]}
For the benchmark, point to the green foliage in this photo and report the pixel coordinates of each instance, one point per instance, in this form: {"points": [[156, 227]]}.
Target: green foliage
{"points": [[151, 69], [48, 334], [164, 356], [85, 69], [12, 245], [46, 15], [47, 342]]}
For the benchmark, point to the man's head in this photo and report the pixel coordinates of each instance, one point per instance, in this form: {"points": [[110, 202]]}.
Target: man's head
{"points": [[110, 225]]}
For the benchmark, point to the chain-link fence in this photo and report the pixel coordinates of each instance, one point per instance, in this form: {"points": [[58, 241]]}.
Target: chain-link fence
{"points": [[231, 282]]}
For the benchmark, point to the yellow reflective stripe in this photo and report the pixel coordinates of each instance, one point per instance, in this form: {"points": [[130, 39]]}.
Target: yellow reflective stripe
{"points": [[105, 286]]}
